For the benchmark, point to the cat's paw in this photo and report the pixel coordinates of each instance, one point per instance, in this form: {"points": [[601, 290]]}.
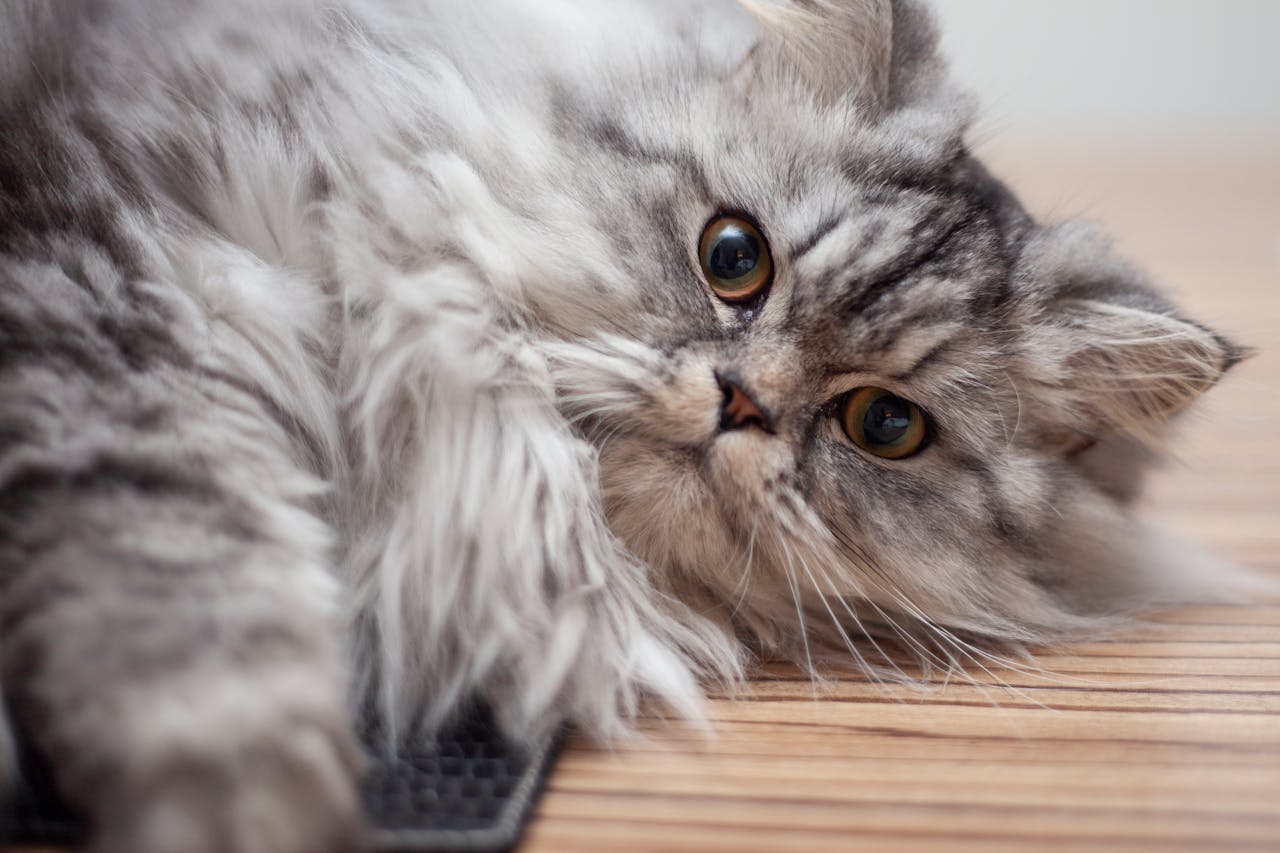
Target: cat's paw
{"points": [[612, 651], [290, 790]]}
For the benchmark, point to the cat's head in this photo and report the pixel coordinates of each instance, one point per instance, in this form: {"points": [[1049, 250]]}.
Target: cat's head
{"points": [[834, 371]]}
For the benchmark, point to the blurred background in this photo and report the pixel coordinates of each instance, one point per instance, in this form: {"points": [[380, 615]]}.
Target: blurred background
{"points": [[1123, 70]]}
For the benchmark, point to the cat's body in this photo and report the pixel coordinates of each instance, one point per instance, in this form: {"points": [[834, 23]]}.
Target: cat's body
{"points": [[358, 354]]}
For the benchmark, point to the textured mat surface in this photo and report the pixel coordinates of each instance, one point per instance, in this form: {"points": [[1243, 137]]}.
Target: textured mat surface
{"points": [[470, 791]]}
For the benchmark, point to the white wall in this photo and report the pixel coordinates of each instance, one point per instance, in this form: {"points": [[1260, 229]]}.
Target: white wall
{"points": [[1199, 69]]}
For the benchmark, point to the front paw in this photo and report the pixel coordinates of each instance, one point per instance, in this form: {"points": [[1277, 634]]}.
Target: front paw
{"points": [[608, 652], [289, 790]]}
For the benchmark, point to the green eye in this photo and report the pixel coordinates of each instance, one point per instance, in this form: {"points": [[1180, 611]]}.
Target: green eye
{"points": [[882, 423], [735, 259]]}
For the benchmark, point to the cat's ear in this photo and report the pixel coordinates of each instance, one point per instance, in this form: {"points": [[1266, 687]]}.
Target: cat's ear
{"points": [[838, 48], [1105, 353], [877, 53]]}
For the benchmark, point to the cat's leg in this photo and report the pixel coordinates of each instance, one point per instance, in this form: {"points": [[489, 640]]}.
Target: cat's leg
{"points": [[167, 619], [480, 556]]}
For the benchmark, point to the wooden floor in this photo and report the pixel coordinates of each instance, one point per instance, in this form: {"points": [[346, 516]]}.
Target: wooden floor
{"points": [[1165, 739]]}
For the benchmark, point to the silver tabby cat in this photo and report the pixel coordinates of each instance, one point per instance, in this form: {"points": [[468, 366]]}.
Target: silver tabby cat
{"points": [[558, 353]]}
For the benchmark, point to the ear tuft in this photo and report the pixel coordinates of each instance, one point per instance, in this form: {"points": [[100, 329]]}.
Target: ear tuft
{"points": [[917, 72], [837, 48]]}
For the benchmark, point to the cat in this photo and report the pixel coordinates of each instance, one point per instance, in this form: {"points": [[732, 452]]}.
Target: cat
{"points": [[382, 356]]}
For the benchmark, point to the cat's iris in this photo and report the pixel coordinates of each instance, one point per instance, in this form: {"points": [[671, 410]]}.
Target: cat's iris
{"points": [[735, 259], [882, 423]]}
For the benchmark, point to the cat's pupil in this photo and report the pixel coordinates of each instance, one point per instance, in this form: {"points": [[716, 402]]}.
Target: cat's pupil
{"points": [[886, 420], [734, 255]]}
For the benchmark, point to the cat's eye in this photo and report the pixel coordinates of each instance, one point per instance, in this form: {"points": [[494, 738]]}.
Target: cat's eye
{"points": [[735, 259], [882, 423]]}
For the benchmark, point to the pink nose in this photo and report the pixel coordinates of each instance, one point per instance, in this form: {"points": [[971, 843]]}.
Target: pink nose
{"points": [[737, 409]]}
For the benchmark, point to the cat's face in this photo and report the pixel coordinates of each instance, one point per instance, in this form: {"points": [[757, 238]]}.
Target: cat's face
{"points": [[833, 371]]}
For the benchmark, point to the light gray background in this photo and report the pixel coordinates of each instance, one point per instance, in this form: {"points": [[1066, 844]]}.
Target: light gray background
{"points": [[1195, 70]]}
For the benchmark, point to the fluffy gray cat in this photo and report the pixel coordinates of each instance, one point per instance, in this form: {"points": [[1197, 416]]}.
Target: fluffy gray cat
{"points": [[392, 355]]}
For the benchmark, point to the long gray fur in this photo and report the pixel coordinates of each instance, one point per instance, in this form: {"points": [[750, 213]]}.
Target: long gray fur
{"points": [[356, 355]]}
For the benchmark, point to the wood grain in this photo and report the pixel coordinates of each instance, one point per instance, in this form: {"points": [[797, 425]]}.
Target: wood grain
{"points": [[1166, 738]]}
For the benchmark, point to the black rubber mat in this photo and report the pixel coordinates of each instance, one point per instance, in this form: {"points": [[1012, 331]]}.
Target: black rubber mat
{"points": [[468, 791]]}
